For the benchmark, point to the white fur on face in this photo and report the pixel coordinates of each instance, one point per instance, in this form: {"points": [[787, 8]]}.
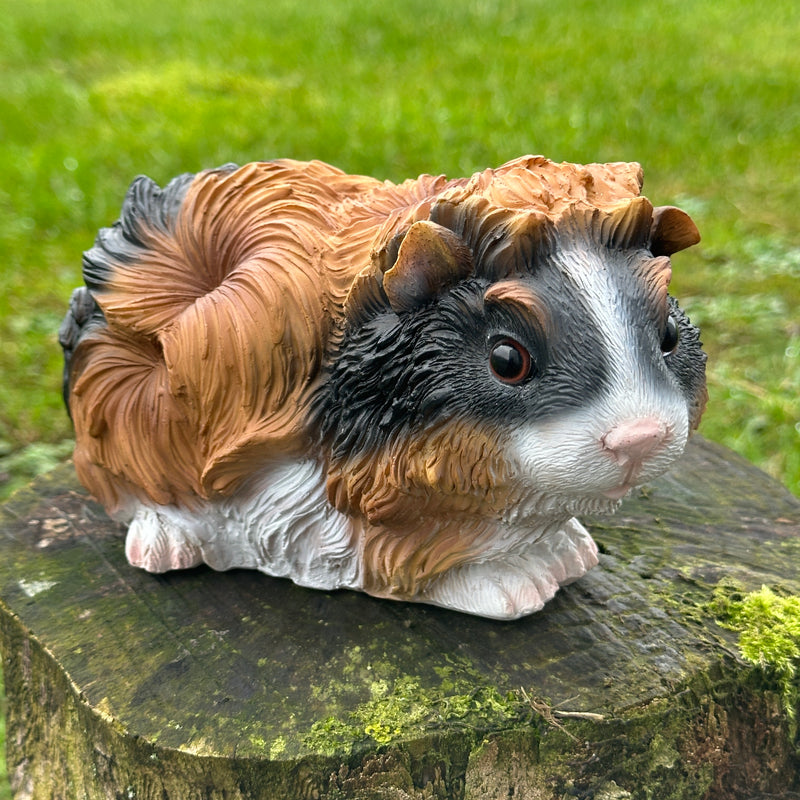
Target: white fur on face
{"points": [[562, 461]]}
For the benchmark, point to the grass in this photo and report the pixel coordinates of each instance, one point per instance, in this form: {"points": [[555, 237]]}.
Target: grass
{"points": [[94, 95], [702, 93]]}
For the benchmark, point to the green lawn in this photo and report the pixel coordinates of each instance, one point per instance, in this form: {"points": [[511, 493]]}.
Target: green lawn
{"points": [[704, 94]]}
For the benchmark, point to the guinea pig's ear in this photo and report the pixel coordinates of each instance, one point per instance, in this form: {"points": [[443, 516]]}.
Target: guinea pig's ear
{"points": [[672, 230], [429, 259]]}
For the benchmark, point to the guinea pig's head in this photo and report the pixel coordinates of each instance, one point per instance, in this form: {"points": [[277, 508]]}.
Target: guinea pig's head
{"points": [[511, 363]]}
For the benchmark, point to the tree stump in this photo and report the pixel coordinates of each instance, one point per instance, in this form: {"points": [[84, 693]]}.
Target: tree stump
{"points": [[198, 684]]}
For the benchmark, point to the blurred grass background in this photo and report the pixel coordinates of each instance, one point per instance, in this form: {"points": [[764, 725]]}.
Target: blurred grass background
{"points": [[704, 94]]}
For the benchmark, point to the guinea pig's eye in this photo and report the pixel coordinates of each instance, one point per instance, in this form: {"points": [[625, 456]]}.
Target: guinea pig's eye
{"points": [[509, 361], [671, 335]]}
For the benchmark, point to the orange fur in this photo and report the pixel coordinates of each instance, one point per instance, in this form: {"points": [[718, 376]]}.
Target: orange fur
{"points": [[427, 502], [519, 294], [133, 437]]}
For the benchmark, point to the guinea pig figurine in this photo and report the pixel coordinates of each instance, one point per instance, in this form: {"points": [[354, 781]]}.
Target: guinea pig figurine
{"points": [[408, 390]]}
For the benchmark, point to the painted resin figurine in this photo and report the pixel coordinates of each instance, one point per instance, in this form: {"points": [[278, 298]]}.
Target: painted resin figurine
{"points": [[408, 390]]}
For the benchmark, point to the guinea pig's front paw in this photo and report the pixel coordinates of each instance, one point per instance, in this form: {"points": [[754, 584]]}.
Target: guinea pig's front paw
{"points": [[490, 590], [157, 543], [512, 585]]}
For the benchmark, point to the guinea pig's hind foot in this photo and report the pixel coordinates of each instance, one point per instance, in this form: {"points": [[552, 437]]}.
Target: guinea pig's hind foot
{"points": [[158, 543]]}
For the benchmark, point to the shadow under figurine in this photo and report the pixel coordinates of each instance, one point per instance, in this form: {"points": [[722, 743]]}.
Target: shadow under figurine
{"points": [[407, 390]]}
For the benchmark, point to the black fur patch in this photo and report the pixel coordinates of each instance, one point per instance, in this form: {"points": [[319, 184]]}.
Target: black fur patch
{"points": [[398, 373], [688, 361], [82, 316]]}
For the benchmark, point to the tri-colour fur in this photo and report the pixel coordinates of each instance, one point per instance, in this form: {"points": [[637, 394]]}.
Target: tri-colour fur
{"points": [[404, 389]]}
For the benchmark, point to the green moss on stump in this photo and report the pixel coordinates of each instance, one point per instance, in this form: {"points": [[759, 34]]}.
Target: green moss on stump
{"points": [[768, 625], [407, 710]]}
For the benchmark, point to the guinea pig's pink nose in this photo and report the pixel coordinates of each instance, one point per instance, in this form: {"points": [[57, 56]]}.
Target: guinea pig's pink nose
{"points": [[631, 442]]}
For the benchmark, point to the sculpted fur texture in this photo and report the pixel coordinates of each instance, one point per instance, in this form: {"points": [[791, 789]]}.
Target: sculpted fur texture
{"points": [[407, 389]]}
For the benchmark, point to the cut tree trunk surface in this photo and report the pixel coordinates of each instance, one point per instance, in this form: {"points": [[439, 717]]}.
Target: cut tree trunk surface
{"points": [[198, 684]]}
